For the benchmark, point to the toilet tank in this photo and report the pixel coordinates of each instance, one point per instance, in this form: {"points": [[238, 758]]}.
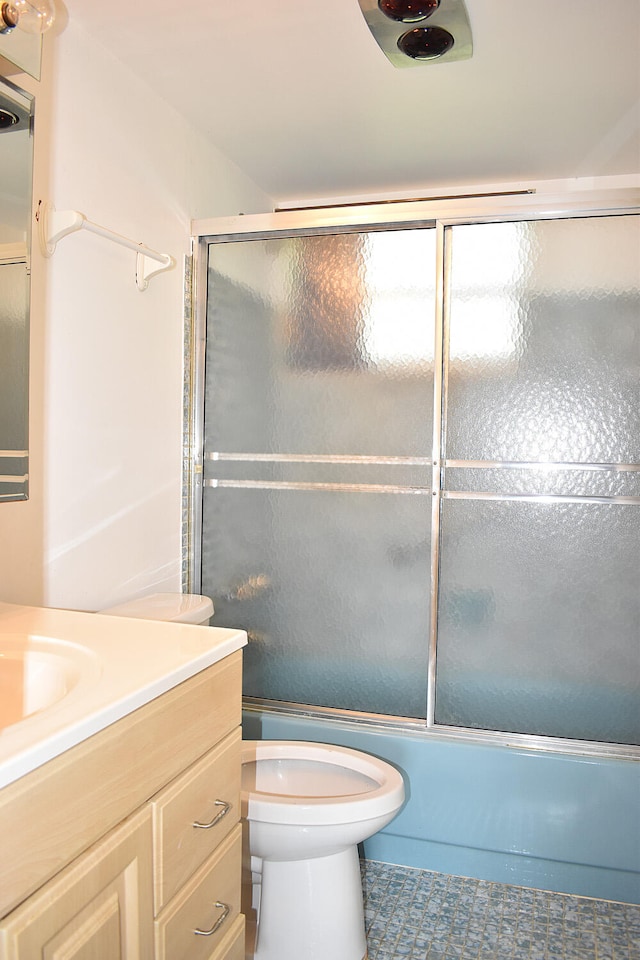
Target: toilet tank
{"points": [[177, 607]]}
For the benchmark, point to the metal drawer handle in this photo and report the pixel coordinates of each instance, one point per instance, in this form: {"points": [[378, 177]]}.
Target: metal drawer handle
{"points": [[226, 910], [217, 818]]}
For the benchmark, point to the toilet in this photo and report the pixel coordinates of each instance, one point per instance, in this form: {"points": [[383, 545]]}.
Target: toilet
{"points": [[174, 607], [305, 807]]}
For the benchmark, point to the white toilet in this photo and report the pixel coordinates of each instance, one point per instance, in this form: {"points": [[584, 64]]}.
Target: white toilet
{"points": [[306, 806], [175, 607]]}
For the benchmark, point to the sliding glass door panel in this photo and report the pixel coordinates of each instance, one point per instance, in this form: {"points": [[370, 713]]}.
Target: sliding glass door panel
{"points": [[317, 463]]}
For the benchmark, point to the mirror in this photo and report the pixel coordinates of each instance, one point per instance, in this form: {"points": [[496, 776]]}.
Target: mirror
{"points": [[16, 163]]}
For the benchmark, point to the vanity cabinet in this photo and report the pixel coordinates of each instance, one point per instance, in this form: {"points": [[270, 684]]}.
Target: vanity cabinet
{"points": [[129, 844]]}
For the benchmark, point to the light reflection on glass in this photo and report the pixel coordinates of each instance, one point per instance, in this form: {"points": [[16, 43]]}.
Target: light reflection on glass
{"points": [[398, 323], [486, 273]]}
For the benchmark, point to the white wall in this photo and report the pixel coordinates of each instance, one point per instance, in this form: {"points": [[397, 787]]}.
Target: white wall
{"points": [[103, 520]]}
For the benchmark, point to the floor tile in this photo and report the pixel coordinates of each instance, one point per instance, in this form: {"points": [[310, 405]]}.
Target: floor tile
{"points": [[420, 915]]}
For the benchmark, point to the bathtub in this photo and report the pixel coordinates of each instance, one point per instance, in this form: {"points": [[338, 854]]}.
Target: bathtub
{"points": [[554, 821]]}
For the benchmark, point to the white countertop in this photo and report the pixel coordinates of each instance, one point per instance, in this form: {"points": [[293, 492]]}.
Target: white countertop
{"points": [[118, 664]]}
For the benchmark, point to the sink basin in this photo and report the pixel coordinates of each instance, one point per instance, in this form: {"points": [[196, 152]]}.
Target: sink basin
{"points": [[37, 672]]}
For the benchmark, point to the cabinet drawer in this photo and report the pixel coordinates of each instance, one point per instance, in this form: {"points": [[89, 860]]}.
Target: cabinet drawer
{"points": [[208, 793], [196, 906]]}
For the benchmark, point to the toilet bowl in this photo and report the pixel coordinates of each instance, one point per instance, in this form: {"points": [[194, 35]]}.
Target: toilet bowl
{"points": [[305, 807]]}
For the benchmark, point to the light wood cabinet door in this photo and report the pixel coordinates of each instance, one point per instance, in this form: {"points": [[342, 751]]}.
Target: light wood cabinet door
{"points": [[99, 908]]}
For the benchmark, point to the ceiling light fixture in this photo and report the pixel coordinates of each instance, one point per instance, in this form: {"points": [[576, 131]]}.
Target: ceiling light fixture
{"points": [[31, 16], [397, 26]]}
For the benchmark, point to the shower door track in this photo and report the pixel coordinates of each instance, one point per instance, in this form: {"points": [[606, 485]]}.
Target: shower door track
{"points": [[355, 719]]}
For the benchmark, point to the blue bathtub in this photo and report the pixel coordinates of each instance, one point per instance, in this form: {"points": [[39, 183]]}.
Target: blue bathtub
{"points": [[553, 821]]}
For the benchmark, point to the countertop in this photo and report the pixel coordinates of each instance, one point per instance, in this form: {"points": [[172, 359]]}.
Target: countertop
{"points": [[116, 665]]}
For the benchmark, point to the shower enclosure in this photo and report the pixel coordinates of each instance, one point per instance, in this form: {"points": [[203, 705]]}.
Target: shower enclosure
{"points": [[416, 466]]}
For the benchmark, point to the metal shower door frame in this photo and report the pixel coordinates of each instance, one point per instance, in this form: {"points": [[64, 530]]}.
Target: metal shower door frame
{"points": [[442, 215]]}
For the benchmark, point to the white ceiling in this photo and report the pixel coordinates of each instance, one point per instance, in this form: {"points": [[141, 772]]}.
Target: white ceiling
{"points": [[299, 95]]}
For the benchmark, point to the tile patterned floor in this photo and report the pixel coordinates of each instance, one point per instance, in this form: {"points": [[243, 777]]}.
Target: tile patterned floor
{"points": [[418, 915]]}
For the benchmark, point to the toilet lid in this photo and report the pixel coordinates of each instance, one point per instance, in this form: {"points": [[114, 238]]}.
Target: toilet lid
{"points": [[174, 607]]}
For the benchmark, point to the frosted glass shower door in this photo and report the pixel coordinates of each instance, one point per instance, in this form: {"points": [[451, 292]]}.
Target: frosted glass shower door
{"points": [[539, 603], [318, 436]]}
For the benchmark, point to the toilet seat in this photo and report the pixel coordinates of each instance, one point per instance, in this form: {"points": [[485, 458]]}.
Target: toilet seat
{"points": [[377, 787]]}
